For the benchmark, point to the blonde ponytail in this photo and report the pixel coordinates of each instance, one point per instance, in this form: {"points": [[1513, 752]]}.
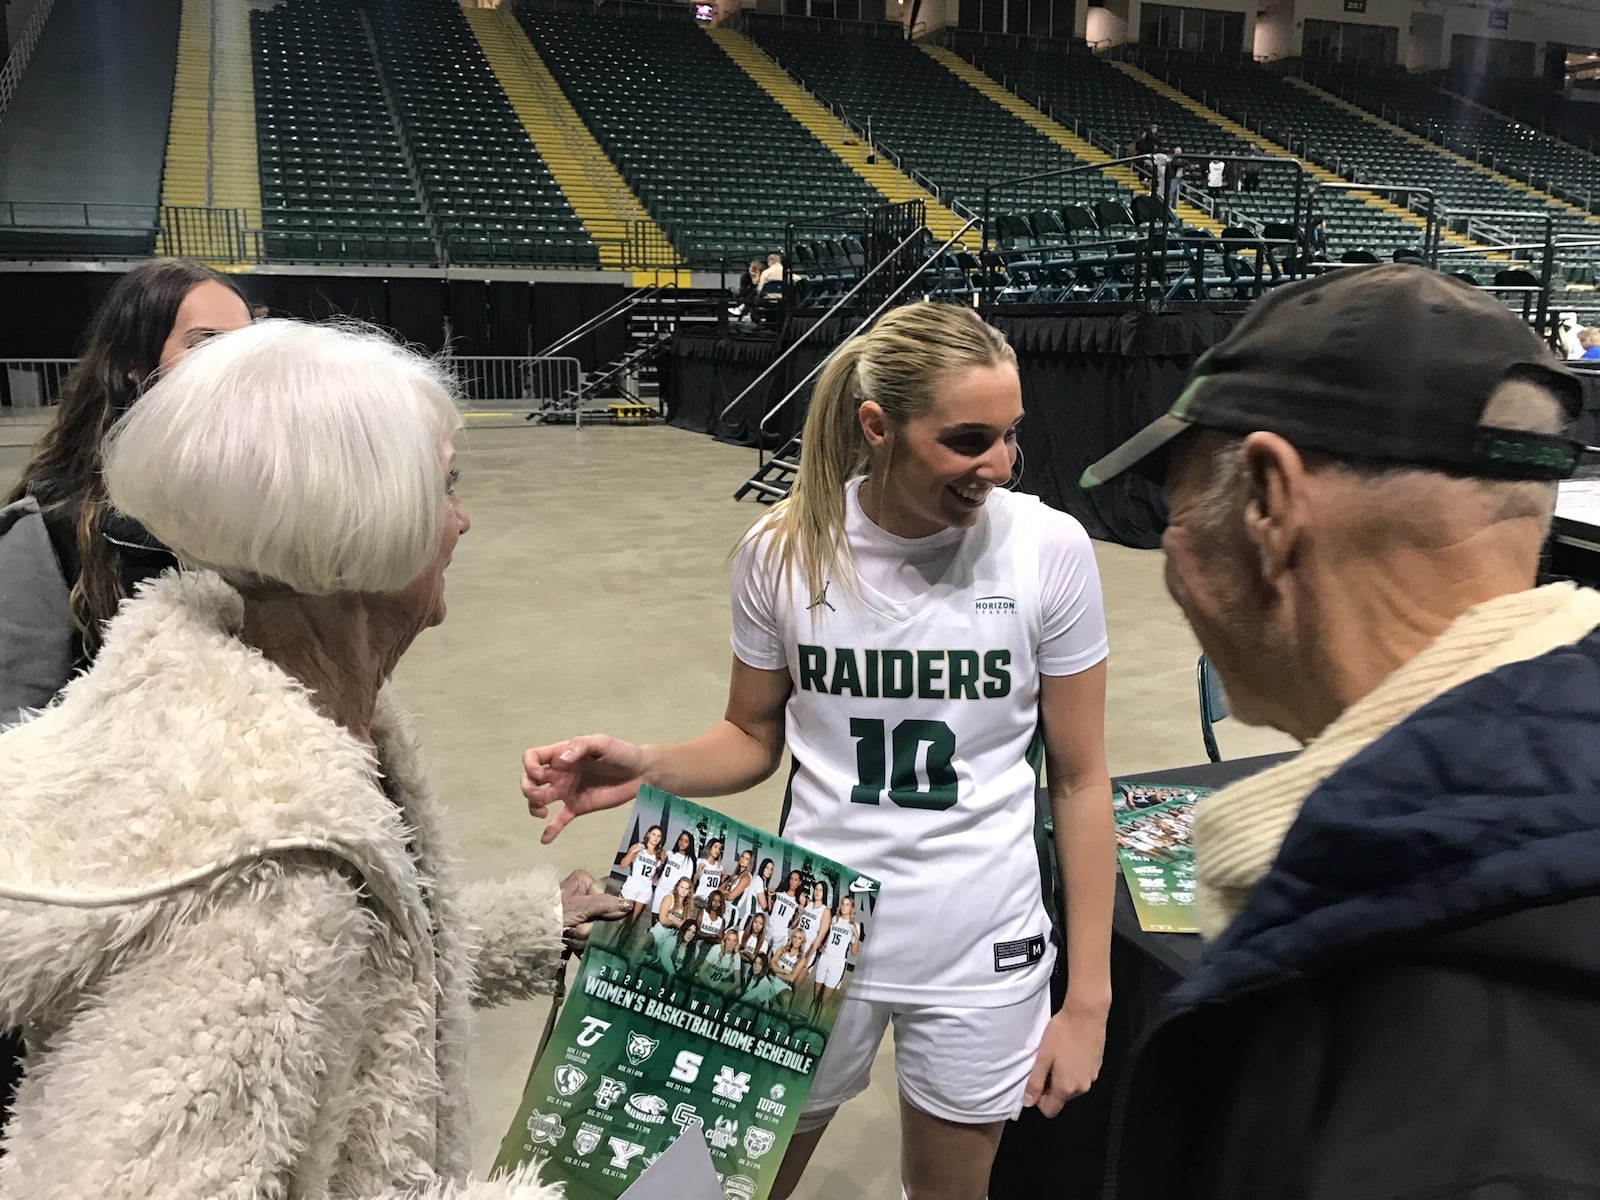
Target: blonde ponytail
{"points": [[899, 364]]}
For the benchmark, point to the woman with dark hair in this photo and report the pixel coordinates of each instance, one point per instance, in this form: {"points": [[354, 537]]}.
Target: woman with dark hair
{"points": [[754, 939], [151, 318], [783, 909], [67, 560], [679, 865]]}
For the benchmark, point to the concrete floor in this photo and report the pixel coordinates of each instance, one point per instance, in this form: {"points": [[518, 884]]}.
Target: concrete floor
{"points": [[591, 596]]}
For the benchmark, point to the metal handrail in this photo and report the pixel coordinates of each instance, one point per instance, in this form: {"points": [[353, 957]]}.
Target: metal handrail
{"points": [[21, 51], [800, 341], [628, 302], [868, 320]]}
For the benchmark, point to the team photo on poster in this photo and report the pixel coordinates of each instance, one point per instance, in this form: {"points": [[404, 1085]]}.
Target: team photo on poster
{"points": [[708, 1004]]}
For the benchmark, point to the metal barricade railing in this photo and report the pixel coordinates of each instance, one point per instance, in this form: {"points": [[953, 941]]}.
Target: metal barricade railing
{"points": [[548, 386], [32, 382]]}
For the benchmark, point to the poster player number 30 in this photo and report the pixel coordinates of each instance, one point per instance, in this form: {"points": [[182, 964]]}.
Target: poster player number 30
{"points": [[905, 784]]}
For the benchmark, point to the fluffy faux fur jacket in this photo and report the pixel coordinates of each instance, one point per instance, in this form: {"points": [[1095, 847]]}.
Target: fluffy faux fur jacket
{"points": [[251, 971]]}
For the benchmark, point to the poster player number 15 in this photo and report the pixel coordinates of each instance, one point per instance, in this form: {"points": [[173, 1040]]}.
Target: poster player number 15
{"points": [[905, 746]]}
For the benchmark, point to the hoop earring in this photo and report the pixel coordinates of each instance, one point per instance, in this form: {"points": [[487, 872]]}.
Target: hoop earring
{"points": [[1015, 481]]}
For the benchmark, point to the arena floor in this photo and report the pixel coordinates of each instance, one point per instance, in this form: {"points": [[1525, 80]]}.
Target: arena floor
{"points": [[591, 596]]}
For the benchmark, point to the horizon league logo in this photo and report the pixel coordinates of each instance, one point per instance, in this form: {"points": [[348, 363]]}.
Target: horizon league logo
{"points": [[739, 1187]]}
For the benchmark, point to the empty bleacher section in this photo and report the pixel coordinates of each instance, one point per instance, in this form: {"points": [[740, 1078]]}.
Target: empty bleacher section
{"points": [[621, 229], [1113, 106], [334, 181], [1523, 153], [493, 197], [719, 164], [82, 141], [847, 144], [1340, 136], [942, 126], [210, 182]]}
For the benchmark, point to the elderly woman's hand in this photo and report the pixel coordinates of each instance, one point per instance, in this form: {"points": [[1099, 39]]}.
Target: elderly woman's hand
{"points": [[583, 902]]}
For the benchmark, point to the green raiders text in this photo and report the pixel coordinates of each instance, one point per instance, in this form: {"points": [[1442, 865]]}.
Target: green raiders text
{"points": [[906, 674]]}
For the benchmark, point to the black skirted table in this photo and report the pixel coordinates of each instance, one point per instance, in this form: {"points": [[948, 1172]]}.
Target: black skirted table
{"points": [[1065, 1157]]}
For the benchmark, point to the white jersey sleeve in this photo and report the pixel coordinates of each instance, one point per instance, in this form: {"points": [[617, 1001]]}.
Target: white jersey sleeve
{"points": [[1073, 626], [757, 640]]}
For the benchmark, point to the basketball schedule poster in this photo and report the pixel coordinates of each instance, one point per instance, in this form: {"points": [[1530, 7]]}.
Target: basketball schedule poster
{"points": [[709, 1005], [1153, 824]]}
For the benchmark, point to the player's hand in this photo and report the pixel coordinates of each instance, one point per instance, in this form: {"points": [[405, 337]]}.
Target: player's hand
{"points": [[583, 902], [1069, 1059], [582, 775]]}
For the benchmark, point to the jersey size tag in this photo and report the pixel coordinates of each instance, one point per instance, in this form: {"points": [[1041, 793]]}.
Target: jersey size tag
{"points": [[1013, 956]]}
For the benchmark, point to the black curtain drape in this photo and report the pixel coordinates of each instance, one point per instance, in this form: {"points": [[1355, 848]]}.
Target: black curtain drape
{"points": [[707, 373], [1088, 383]]}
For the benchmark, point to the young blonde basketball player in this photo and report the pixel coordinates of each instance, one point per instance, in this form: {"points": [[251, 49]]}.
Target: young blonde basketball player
{"points": [[907, 627]]}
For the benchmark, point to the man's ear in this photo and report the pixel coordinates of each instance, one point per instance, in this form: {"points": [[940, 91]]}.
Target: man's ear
{"points": [[874, 424], [1275, 509]]}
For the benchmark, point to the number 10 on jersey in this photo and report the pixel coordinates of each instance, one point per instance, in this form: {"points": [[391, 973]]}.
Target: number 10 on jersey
{"points": [[894, 760]]}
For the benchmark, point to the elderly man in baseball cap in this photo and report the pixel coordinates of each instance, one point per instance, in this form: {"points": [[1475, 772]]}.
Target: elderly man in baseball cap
{"points": [[1402, 994]]}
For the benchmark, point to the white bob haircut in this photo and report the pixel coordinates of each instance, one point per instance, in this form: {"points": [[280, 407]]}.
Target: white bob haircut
{"points": [[306, 456]]}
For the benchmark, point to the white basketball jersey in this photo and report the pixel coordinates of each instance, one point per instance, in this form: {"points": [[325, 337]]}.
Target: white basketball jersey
{"points": [[836, 945], [912, 727], [710, 879], [782, 914], [645, 867]]}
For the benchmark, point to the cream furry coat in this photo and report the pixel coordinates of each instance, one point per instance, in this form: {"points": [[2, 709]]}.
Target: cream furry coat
{"points": [[283, 1012]]}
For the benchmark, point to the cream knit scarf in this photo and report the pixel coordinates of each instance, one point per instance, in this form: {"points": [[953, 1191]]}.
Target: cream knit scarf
{"points": [[1238, 830]]}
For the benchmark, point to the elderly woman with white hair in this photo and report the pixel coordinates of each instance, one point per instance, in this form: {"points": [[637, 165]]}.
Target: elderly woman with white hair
{"points": [[229, 921]]}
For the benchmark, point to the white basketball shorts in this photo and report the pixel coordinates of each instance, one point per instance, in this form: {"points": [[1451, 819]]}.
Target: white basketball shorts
{"points": [[829, 971], [965, 1065]]}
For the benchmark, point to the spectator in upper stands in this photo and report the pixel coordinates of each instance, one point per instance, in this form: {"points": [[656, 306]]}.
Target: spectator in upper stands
{"points": [[1174, 176], [1149, 141], [1589, 339], [1402, 994], [1317, 240], [749, 290], [773, 272], [1216, 176]]}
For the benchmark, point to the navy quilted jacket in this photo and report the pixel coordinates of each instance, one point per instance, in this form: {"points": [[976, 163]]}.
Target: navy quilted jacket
{"points": [[1409, 1005]]}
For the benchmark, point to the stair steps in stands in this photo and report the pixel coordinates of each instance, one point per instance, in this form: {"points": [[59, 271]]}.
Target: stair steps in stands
{"points": [[775, 477], [627, 390], [1057, 132], [805, 108], [608, 208], [1541, 197], [1267, 146], [211, 157]]}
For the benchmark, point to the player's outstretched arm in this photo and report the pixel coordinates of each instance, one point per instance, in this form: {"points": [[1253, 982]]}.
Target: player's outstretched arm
{"points": [[597, 772]]}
